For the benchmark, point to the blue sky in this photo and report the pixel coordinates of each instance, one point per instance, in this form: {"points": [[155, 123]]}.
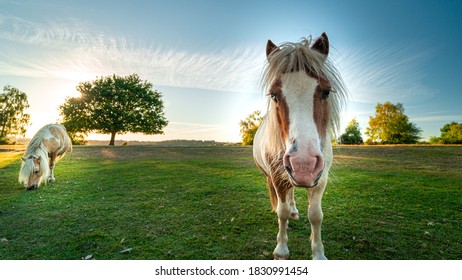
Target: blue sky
{"points": [[206, 57]]}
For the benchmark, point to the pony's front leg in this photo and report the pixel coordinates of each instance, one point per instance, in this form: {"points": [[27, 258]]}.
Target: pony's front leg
{"points": [[51, 176], [293, 207], [315, 216], [284, 210]]}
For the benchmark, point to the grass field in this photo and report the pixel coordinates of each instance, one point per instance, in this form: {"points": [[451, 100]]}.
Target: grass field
{"points": [[146, 202]]}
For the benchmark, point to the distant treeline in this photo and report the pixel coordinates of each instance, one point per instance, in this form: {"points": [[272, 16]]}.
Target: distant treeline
{"points": [[167, 143]]}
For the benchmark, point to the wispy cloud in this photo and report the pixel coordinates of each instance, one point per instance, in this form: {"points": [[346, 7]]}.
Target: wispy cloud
{"points": [[442, 118], [387, 73], [77, 50]]}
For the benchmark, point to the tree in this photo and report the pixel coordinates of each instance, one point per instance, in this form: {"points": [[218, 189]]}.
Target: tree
{"points": [[451, 133], [114, 105], [13, 119], [249, 127], [391, 126], [352, 134]]}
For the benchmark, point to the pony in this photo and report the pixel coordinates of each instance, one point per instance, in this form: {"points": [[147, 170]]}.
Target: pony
{"points": [[52, 142], [292, 146]]}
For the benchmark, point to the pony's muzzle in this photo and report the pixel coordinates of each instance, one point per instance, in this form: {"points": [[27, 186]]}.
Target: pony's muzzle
{"points": [[32, 187], [304, 171]]}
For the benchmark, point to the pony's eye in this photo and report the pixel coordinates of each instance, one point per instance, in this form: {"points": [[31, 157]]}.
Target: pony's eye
{"points": [[325, 94], [36, 172], [274, 97]]}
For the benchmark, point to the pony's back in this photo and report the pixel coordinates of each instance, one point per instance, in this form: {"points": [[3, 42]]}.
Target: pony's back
{"points": [[54, 137]]}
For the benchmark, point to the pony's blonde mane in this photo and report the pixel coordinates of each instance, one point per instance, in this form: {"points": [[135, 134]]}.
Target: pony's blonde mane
{"points": [[294, 57]]}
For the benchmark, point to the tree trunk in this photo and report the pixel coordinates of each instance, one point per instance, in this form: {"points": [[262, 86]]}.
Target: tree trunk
{"points": [[2, 134], [113, 134]]}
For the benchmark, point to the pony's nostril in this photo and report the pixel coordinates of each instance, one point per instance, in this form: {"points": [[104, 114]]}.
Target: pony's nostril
{"points": [[319, 166], [288, 169]]}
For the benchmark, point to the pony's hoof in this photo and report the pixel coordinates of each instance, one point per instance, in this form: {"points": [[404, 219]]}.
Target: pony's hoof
{"points": [[33, 187], [279, 257], [281, 252], [51, 179], [320, 257]]}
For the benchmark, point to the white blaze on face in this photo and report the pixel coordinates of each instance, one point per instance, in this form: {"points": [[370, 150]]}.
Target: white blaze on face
{"points": [[303, 157], [299, 89]]}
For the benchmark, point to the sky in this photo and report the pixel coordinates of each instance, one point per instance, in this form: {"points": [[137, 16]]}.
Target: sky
{"points": [[206, 57]]}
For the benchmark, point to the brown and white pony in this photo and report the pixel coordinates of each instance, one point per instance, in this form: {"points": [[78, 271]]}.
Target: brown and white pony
{"points": [[292, 146], [50, 141]]}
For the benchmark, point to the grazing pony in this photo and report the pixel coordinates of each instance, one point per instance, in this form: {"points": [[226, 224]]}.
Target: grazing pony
{"points": [[292, 146], [50, 141]]}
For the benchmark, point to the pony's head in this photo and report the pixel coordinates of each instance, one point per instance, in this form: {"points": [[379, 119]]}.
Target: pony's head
{"points": [[34, 171], [306, 93]]}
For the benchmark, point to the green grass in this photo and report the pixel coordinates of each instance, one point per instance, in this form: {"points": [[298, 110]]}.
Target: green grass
{"points": [[147, 202]]}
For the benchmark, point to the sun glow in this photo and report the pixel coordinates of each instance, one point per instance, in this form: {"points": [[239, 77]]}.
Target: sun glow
{"points": [[45, 98]]}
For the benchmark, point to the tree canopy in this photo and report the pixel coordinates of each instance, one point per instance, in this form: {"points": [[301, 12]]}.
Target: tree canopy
{"points": [[352, 134], [451, 133], [13, 119], [114, 105], [391, 126], [249, 127]]}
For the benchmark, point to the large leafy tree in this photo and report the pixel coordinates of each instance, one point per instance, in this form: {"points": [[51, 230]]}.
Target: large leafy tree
{"points": [[249, 127], [13, 119], [451, 133], [352, 134], [114, 105], [391, 126]]}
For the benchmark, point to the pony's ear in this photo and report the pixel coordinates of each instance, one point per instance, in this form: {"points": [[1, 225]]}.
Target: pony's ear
{"points": [[322, 44], [270, 47]]}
